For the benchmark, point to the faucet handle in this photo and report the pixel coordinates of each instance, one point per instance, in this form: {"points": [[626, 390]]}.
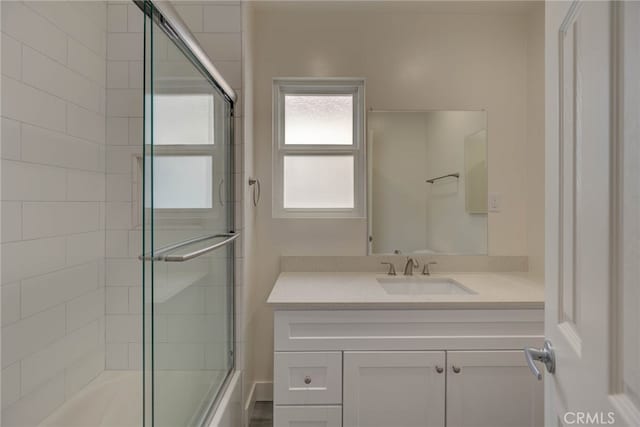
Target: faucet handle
{"points": [[426, 270], [392, 268]]}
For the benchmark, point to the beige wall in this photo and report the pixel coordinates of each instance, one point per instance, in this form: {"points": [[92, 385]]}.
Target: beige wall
{"points": [[535, 140], [413, 57], [246, 318]]}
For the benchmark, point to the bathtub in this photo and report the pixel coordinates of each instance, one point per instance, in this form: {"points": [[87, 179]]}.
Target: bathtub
{"points": [[112, 399]]}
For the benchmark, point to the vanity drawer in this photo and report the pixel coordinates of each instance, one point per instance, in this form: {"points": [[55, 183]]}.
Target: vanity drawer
{"points": [[375, 330], [294, 416], [308, 378]]}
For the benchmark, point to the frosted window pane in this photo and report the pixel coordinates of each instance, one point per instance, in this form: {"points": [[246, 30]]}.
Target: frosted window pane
{"points": [[318, 119], [183, 119], [181, 182], [318, 182]]}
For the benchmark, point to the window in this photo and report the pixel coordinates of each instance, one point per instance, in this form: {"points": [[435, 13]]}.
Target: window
{"points": [[188, 158], [319, 165], [184, 148], [181, 182], [183, 119]]}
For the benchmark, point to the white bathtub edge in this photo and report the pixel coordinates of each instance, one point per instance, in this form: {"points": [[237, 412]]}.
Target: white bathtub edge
{"points": [[229, 412]]}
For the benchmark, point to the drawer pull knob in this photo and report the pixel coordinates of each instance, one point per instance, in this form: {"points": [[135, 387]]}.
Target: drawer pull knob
{"points": [[439, 369], [456, 370], [307, 380]]}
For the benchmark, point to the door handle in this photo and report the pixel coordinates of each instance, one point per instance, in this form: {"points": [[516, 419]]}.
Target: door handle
{"points": [[220, 196], [545, 355]]}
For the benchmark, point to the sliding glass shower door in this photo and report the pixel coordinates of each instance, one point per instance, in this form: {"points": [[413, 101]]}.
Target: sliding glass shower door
{"points": [[187, 208]]}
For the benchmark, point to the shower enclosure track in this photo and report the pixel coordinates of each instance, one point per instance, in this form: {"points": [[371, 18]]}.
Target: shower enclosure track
{"points": [[175, 28]]}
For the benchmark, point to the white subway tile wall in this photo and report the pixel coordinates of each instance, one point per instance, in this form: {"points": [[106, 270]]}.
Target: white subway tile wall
{"points": [[53, 194], [72, 77]]}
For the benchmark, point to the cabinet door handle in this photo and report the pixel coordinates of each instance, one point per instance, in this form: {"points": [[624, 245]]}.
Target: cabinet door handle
{"points": [[307, 380], [455, 369], [439, 369]]}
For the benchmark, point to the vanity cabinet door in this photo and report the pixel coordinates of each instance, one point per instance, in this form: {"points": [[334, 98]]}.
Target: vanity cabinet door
{"points": [[492, 389], [393, 388]]}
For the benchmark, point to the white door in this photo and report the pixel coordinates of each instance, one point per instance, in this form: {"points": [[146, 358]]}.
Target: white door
{"points": [[393, 389], [492, 389], [592, 232]]}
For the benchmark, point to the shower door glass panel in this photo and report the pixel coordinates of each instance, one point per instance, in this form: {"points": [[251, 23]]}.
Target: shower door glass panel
{"points": [[187, 183]]}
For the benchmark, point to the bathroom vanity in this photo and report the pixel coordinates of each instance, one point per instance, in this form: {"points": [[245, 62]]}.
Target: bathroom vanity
{"points": [[366, 349]]}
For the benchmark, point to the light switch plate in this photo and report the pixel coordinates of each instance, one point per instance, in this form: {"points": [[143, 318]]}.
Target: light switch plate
{"points": [[495, 202]]}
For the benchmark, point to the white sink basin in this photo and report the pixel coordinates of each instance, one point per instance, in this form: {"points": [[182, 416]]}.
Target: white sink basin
{"points": [[412, 285]]}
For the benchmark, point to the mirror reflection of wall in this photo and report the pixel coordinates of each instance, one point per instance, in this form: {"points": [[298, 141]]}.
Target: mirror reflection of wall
{"points": [[427, 182]]}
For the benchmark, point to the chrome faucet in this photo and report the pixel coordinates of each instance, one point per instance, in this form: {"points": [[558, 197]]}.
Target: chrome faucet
{"points": [[425, 270], [409, 266]]}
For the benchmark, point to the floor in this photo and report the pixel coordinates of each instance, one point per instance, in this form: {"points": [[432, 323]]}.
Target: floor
{"points": [[262, 415]]}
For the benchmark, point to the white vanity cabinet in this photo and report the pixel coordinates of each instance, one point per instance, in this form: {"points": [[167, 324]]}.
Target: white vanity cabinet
{"points": [[406, 368]]}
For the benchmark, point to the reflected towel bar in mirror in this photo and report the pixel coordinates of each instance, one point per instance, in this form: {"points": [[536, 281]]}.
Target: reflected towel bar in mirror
{"points": [[454, 175]]}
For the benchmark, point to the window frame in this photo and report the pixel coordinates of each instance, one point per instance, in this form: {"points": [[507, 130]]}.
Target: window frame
{"points": [[310, 86], [187, 216]]}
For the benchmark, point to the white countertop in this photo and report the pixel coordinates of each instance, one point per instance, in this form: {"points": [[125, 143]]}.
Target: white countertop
{"points": [[362, 291]]}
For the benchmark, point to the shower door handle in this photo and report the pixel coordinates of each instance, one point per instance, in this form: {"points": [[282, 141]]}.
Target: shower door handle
{"points": [[162, 253], [220, 196], [195, 254]]}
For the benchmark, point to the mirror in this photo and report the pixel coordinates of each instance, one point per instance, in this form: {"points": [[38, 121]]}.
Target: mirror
{"points": [[427, 175]]}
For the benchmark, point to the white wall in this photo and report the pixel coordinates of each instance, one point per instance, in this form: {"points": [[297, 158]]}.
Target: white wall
{"points": [[414, 56], [71, 123], [53, 213], [124, 120]]}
